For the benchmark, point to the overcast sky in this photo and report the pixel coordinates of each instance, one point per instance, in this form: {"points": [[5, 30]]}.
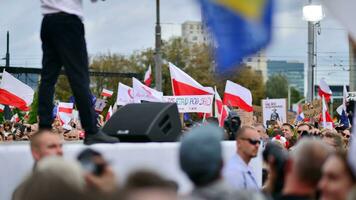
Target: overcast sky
{"points": [[125, 26]]}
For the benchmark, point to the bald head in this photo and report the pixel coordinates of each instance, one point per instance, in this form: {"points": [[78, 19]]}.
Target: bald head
{"points": [[46, 143]]}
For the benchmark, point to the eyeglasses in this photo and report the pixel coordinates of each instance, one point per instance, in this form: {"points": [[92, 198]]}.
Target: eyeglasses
{"points": [[345, 135], [251, 141]]}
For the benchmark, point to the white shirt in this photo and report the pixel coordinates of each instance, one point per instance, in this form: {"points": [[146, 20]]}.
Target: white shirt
{"points": [[74, 7], [240, 175]]}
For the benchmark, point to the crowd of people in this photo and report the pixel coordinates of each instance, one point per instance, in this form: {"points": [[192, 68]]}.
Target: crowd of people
{"points": [[22, 131], [301, 161]]}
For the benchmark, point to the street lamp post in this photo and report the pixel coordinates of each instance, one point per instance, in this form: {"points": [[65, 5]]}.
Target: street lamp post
{"points": [[158, 58], [313, 14]]}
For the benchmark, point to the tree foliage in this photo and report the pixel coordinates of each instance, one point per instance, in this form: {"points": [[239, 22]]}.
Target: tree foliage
{"points": [[277, 86]]}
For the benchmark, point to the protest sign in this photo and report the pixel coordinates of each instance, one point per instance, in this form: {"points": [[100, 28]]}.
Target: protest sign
{"points": [[192, 104]]}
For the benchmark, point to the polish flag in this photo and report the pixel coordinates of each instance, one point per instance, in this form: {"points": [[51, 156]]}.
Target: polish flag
{"points": [[143, 93], [124, 95], [218, 105], [106, 93], [13, 92], [183, 84], [238, 96], [15, 118], [2, 107], [109, 114], [65, 111], [148, 77], [325, 116], [220, 110], [324, 90], [224, 114]]}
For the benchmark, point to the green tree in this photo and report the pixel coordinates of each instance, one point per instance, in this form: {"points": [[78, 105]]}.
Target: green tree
{"points": [[34, 107], [295, 95], [277, 86]]}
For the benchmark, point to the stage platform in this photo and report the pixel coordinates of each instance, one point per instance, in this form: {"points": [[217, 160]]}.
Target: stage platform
{"points": [[16, 161]]}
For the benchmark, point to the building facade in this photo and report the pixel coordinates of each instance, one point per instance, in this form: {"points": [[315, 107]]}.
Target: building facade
{"points": [[258, 63], [193, 32], [293, 71]]}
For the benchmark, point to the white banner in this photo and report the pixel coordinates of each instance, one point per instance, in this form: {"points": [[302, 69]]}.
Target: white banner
{"points": [[274, 110], [124, 95], [143, 93], [192, 104]]}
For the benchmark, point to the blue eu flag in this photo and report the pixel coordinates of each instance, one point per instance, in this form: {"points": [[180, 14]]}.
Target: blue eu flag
{"points": [[239, 27]]}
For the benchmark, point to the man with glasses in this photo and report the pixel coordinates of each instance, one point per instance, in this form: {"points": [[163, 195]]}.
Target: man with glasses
{"points": [[237, 172]]}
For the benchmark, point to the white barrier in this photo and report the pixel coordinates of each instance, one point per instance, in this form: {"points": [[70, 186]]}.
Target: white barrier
{"points": [[16, 161]]}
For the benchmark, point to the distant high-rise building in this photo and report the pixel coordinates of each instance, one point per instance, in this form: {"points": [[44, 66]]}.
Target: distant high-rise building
{"points": [[193, 32], [258, 63], [293, 71]]}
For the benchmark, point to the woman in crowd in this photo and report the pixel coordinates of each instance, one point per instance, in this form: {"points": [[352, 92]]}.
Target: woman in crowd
{"points": [[337, 179]]}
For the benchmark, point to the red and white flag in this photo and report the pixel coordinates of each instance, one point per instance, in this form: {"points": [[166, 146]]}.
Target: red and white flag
{"points": [[221, 111], [13, 92], [224, 114], [65, 112], [324, 90], [15, 118], [148, 77], [124, 95], [183, 84], [218, 105], [2, 107], [325, 116], [106, 93], [109, 114], [143, 93], [237, 96]]}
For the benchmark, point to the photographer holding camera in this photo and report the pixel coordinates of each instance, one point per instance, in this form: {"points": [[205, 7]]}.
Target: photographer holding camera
{"points": [[232, 124]]}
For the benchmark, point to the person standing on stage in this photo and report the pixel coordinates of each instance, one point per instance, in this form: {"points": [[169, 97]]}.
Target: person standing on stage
{"points": [[63, 44]]}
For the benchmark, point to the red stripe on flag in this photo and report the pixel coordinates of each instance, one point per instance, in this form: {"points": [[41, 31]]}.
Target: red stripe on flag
{"points": [[326, 95], [180, 88], [65, 110], [236, 101], [8, 98], [148, 82]]}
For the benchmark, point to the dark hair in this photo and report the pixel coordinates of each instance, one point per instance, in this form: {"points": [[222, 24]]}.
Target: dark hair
{"points": [[305, 124], [290, 126]]}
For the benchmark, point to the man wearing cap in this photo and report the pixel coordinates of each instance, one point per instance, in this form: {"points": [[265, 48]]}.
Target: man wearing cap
{"points": [[237, 172], [200, 157]]}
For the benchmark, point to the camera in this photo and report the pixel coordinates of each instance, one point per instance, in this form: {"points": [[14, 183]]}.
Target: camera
{"points": [[232, 124], [88, 160]]}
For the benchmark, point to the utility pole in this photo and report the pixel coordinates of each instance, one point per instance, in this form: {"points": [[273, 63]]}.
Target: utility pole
{"points": [[311, 53], [7, 110], [7, 57], [158, 57]]}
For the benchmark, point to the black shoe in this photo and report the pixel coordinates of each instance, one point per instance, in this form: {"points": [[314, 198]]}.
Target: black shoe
{"points": [[99, 137]]}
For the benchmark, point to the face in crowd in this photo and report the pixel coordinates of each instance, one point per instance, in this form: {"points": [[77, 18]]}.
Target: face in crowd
{"points": [[288, 133], [261, 130], [248, 143], [46, 144], [346, 134], [337, 179], [302, 128]]}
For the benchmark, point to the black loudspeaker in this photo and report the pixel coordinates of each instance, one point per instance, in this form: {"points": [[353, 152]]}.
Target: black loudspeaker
{"points": [[145, 122]]}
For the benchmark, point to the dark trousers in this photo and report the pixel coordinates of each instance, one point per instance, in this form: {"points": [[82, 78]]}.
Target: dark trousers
{"points": [[63, 44]]}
